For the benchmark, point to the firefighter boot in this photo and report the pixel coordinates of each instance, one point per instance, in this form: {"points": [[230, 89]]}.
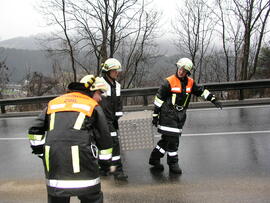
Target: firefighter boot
{"points": [[103, 171], [120, 175], [174, 168], [156, 164]]}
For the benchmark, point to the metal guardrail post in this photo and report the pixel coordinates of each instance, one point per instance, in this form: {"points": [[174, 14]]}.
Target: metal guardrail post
{"points": [[145, 92], [241, 96], [3, 110], [145, 102]]}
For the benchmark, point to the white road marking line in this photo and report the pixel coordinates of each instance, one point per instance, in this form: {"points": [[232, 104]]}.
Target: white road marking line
{"points": [[13, 138], [14, 118], [192, 134], [231, 107], [225, 133]]}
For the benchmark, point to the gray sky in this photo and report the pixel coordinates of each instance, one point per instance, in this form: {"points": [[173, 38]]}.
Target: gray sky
{"points": [[19, 17]]}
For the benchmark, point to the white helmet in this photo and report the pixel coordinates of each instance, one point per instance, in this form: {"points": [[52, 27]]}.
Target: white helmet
{"points": [[94, 83], [111, 64], [186, 63]]}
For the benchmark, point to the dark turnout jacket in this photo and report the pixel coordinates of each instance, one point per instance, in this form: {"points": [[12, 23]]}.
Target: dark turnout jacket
{"points": [[66, 136], [112, 104], [172, 100]]}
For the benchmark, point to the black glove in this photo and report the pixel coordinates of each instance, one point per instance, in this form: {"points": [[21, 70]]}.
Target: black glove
{"points": [[217, 103], [155, 121], [38, 150]]}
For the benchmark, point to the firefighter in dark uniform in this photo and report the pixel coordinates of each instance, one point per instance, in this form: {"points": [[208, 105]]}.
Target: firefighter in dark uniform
{"points": [[67, 136], [171, 103], [112, 107]]}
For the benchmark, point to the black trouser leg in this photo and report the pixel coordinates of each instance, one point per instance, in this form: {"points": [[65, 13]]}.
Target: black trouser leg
{"points": [[172, 149], [116, 158], [92, 198], [160, 150], [54, 199]]}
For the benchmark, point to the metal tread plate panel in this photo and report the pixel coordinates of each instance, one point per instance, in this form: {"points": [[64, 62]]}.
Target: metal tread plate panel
{"points": [[136, 134]]}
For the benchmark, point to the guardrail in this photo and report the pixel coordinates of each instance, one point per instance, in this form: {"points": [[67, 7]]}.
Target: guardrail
{"points": [[144, 92]]}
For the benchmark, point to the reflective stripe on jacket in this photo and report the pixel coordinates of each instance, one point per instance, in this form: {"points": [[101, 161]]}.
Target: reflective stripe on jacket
{"points": [[112, 103], [172, 95]]}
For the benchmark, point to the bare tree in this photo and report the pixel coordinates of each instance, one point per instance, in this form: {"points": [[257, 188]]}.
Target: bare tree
{"points": [[58, 14], [4, 77], [259, 45], [36, 84], [138, 53], [194, 28], [103, 25], [229, 28], [251, 14]]}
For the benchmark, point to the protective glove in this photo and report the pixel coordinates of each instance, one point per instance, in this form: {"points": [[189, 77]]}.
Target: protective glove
{"points": [[38, 150], [155, 120], [217, 103]]}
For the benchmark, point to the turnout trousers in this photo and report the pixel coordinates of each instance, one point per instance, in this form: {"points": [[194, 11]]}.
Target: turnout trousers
{"points": [[91, 198], [116, 158], [169, 144]]}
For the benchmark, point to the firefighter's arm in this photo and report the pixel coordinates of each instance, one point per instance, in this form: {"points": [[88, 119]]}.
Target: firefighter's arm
{"points": [[206, 94], [119, 107], [103, 137], [118, 112], [160, 97], [36, 133]]}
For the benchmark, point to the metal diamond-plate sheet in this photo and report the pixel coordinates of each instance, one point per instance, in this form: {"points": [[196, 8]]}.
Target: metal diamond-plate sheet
{"points": [[136, 134]]}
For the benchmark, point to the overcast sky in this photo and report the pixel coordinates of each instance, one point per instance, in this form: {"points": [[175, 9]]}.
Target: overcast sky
{"points": [[20, 18]]}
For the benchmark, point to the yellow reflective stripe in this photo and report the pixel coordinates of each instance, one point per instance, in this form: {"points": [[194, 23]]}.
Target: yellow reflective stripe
{"points": [[158, 102], [47, 160], [205, 94], [105, 151], [155, 115], [173, 99], [79, 121], [35, 137], [186, 100], [75, 158], [52, 121]]}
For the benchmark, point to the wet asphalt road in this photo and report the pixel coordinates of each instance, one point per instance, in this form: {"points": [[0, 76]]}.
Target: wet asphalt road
{"points": [[225, 157]]}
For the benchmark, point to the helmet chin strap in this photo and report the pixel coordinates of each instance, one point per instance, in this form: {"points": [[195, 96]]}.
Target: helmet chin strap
{"points": [[108, 75]]}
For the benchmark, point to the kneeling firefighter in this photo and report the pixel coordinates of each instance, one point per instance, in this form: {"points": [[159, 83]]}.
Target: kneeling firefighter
{"points": [[67, 136], [171, 103]]}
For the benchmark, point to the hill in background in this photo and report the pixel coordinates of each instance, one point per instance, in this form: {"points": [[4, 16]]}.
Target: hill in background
{"points": [[22, 54]]}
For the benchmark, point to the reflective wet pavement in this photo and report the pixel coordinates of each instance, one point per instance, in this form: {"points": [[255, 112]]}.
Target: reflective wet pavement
{"points": [[225, 157]]}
